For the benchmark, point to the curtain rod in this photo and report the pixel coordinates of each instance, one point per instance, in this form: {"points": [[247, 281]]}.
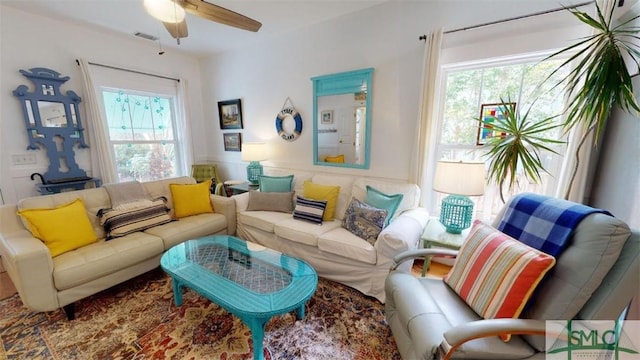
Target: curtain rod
{"points": [[131, 71], [424, 37]]}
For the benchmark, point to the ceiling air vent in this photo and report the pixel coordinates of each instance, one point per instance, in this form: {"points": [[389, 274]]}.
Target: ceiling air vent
{"points": [[145, 36]]}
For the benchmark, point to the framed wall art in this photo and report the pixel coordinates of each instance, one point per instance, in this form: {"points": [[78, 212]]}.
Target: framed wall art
{"points": [[232, 141], [488, 114], [230, 114], [326, 117]]}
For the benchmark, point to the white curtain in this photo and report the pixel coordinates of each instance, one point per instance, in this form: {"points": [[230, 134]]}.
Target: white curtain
{"points": [[98, 132], [582, 164], [427, 112], [183, 131]]}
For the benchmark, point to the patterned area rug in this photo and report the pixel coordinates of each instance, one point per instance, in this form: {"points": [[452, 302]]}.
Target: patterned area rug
{"points": [[138, 320]]}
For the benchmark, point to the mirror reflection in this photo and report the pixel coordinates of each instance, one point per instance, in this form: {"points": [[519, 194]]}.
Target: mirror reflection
{"points": [[52, 114], [341, 129], [341, 119]]}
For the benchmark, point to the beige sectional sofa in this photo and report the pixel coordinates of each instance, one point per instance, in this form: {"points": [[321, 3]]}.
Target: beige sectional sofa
{"points": [[336, 253], [46, 283]]}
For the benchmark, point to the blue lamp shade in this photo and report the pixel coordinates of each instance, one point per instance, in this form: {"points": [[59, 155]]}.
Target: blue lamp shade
{"points": [[254, 153], [460, 180]]}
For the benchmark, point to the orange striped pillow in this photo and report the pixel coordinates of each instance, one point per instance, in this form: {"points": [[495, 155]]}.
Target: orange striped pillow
{"points": [[495, 274]]}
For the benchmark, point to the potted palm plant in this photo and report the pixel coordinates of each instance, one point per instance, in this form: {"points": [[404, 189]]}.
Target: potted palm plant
{"points": [[599, 79], [518, 145]]}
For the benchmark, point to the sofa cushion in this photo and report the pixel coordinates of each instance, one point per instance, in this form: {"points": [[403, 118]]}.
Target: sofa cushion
{"points": [[263, 220], [380, 200], [342, 242], [191, 199], [364, 221], [122, 222], [276, 183], [188, 228], [303, 232], [344, 182], [326, 193], [309, 210], [103, 258], [62, 228], [93, 200], [496, 274], [158, 188]]}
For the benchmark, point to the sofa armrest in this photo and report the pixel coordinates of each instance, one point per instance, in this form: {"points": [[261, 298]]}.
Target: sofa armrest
{"points": [[227, 207], [402, 234], [242, 201], [30, 267], [420, 254], [458, 335]]}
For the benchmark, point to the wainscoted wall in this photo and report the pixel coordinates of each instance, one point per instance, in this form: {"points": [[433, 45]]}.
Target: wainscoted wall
{"points": [[30, 41]]}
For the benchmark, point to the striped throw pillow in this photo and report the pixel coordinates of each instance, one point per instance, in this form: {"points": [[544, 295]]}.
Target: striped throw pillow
{"points": [[309, 210], [496, 274], [122, 222]]}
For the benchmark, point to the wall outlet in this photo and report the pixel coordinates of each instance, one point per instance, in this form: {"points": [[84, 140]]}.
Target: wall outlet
{"points": [[23, 159]]}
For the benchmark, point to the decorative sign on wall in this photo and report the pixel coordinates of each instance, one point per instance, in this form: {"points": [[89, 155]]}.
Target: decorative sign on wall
{"points": [[288, 122], [53, 121]]}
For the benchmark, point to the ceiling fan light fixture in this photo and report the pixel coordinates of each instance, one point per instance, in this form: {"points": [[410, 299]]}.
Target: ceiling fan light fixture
{"points": [[165, 10]]}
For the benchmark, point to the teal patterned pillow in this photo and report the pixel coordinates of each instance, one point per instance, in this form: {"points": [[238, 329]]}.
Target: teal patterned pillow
{"points": [[364, 220]]}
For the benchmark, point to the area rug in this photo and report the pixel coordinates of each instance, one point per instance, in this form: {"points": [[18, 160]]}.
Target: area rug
{"points": [[138, 320]]}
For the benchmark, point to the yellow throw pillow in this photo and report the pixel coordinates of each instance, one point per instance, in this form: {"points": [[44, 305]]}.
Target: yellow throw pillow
{"points": [[63, 228], [191, 199], [327, 193], [335, 159]]}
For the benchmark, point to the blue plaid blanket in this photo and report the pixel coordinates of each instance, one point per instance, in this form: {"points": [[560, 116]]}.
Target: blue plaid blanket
{"points": [[542, 222]]}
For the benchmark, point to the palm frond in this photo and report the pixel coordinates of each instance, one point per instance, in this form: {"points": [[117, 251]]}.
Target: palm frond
{"points": [[519, 147]]}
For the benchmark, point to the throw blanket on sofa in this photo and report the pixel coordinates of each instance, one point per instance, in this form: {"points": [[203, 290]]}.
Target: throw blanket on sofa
{"points": [[125, 193], [543, 222]]}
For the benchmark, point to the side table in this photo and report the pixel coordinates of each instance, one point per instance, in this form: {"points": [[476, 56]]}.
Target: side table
{"points": [[435, 235], [239, 187]]}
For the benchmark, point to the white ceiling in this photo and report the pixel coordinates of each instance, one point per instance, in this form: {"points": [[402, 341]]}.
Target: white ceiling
{"points": [[205, 37]]}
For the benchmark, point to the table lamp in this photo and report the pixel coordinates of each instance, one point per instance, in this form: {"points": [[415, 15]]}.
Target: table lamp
{"points": [[459, 179], [254, 153]]}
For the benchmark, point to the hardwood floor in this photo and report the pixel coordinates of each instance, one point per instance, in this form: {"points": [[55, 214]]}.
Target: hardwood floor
{"points": [[6, 286]]}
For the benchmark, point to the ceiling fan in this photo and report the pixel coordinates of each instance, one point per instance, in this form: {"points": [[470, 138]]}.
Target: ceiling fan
{"points": [[172, 15]]}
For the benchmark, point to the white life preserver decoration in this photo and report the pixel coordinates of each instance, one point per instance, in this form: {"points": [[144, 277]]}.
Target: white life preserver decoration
{"points": [[290, 111]]}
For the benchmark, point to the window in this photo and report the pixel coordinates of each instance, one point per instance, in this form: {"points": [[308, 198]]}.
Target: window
{"points": [[467, 86], [142, 133], [141, 128]]}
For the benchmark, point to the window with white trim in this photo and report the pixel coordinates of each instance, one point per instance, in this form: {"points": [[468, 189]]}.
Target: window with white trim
{"points": [[141, 127], [469, 85]]}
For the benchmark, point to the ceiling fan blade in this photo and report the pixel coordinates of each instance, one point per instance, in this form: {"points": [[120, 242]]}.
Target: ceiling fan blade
{"points": [[219, 14], [179, 30]]}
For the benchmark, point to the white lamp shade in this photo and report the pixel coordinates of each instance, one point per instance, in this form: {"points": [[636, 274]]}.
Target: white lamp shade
{"points": [[254, 151], [165, 10], [459, 178]]}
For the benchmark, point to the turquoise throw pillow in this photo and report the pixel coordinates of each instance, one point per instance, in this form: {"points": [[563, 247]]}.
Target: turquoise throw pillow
{"points": [[380, 200], [276, 183]]}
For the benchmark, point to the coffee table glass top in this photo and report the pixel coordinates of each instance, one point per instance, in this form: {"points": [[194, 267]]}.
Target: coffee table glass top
{"points": [[241, 276]]}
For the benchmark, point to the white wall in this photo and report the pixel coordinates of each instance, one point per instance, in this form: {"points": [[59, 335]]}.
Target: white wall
{"points": [[384, 37], [30, 41]]}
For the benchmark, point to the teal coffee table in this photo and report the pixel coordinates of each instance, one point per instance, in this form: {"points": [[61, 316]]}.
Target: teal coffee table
{"points": [[250, 281]]}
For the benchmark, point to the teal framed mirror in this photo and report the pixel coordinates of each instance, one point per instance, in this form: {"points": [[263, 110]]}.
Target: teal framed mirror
{"points": [[342, 119]]}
